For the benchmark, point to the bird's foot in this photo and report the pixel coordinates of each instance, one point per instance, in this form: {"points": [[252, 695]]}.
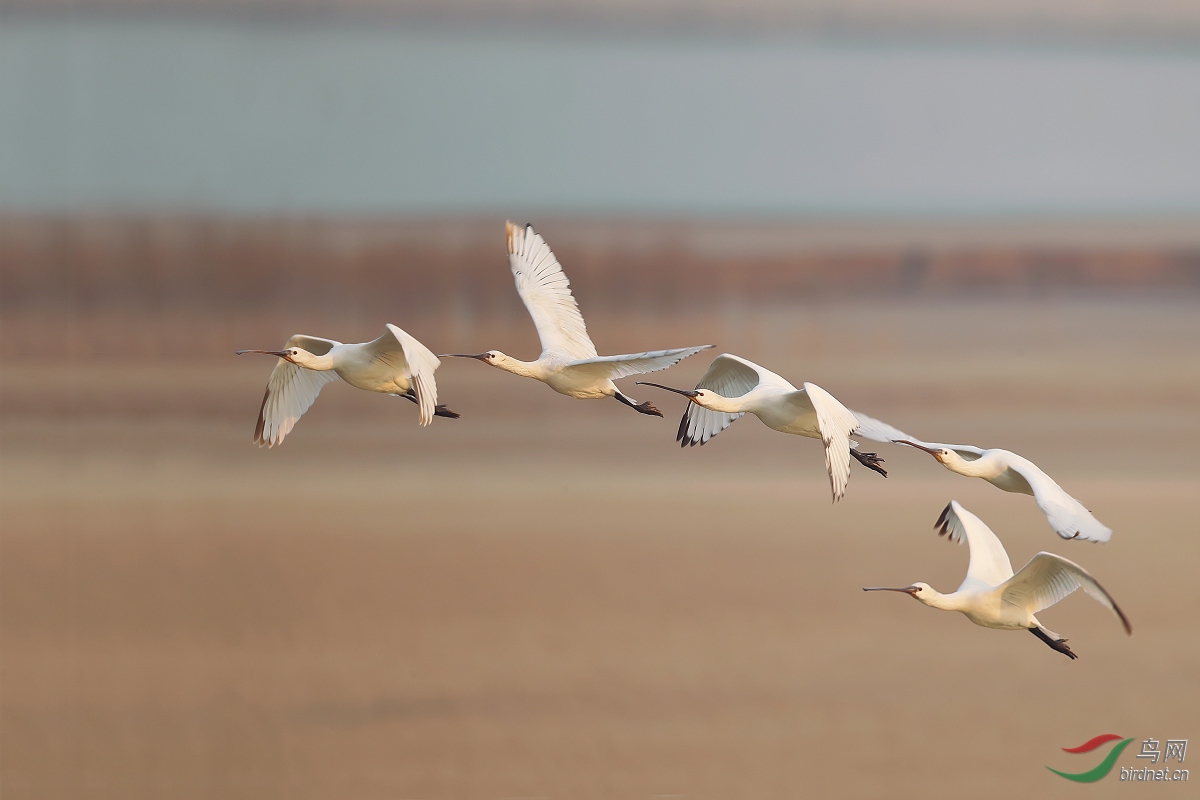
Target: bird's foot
{"points": [[1053, 643], [442, 411], [1061, 646], [647, 408], [870, 460], [641, 408]]}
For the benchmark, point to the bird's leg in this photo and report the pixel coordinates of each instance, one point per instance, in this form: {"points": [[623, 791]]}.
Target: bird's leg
{"points": [[869, 460], [438, 410], [1054, 644], [644, 408]]}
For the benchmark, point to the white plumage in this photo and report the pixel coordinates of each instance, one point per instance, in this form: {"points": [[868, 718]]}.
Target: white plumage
{"points": [[1008, 471], [569, 363], [733, 386], [395, 363], [992, 596]]}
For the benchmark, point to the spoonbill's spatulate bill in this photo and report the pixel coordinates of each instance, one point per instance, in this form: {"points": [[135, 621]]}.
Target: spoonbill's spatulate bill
{"points": [[992, 596], [1010, 472], [569, 364], [395, 363], [733, 386]]}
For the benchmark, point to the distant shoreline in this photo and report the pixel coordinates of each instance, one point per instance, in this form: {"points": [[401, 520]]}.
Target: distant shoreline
{"points": [[1160, 20]]}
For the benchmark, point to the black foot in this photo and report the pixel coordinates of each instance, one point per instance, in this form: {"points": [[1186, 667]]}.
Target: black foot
{"points": [[647, 408], [641, 408], [1054, 644], [438, 411], [870, 460]]}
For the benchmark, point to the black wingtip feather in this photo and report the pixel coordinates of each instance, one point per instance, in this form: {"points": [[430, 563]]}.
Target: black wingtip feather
{"points": [[942, 526], [262, 419]]}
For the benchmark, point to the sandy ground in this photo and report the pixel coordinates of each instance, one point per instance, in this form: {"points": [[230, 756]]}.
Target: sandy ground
{"points": [[547, 598]]}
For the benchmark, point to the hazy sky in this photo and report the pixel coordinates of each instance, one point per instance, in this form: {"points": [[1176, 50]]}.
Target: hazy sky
{"points": [[186, 114]]}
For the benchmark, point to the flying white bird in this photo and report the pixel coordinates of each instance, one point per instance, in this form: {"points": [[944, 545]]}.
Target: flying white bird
{"points": [[395, 363], [992, 596], [1012, 473], [733, 386], [568, 364]]}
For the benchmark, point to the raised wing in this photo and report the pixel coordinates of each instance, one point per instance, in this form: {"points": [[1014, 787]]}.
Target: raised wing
{"points": [[291, 391], [1066, 515], [547, 294], [399, 350], [613, 367], [989, 564], [729, 376], [1048, 578], [836, 423]]}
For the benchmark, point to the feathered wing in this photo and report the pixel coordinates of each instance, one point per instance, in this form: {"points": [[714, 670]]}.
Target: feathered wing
{"points": [[989, 564], [414, 360], [547, 294], [1048, 578], [877, 431], [1066, 515], [613, 367], [836, 423], [729, 376], [291, 390]]}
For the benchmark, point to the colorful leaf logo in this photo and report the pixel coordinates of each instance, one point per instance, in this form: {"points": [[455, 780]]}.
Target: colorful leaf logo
{"points": [[1104, 767]]}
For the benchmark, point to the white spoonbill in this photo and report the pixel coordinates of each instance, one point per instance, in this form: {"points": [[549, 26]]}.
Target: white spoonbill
{"points": [[568, 364], [1012, 473], [992, 596], [733, 386], [395, 363]]}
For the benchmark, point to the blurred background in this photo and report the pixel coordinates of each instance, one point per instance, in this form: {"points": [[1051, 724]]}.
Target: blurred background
{"points": [[979, 222]]}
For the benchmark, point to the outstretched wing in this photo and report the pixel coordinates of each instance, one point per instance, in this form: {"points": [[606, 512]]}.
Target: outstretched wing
{"points": [[291, 391], [989, 563], [1048, 578], [413, 360], [1066, 515], [547, 294], [836, 423], [611, 368], [729, 376], [876, 431]]}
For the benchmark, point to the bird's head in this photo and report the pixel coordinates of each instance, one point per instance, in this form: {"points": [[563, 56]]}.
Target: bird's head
{"points": [[921, 591], [493, 357], [296, 355], [942, 454]]}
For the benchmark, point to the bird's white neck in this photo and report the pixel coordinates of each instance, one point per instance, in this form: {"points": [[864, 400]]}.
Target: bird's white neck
{"points": [[979, 468], [715, 402], [527, 369], [935, 599], [305, 359]]}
